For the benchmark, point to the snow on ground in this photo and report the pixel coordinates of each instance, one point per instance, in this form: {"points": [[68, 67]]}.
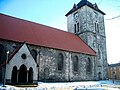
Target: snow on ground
{"points": [[88, 85]]}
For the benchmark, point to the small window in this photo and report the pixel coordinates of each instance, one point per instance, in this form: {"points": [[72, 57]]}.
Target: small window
{"points": [[75, 64], [60, 62], [23, 56]]}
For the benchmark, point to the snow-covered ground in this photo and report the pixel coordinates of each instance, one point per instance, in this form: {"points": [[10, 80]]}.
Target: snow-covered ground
{"points": [[88, 85]]}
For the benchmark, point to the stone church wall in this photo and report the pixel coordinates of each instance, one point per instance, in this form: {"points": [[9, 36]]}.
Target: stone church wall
{"points": [[47, 63], [48, 59]]}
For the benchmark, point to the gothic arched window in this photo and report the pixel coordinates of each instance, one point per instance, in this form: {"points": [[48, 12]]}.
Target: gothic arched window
{"points": [[88, 69], [60, 62], [75, 64], [34, 54]]}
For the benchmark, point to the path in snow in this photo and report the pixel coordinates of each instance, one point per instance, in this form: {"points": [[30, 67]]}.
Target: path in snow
{"points": [[90, 85]]}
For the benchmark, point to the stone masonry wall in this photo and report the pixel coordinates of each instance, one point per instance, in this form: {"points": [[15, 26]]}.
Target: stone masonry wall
{"points": [[48, 59], [47, 63]]}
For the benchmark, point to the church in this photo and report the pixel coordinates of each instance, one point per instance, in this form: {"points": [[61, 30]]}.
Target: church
{"points": [[32, 52]]}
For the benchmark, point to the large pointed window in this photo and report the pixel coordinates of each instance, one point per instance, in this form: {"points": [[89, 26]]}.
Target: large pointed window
{"points": [[60, 62], [88, 68], [75, 64]]}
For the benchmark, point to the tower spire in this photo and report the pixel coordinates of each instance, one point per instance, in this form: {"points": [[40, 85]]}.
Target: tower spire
{"points": [[74, 6]]}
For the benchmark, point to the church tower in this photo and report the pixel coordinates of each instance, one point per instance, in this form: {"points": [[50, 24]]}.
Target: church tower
{"points": [[86, 20]]}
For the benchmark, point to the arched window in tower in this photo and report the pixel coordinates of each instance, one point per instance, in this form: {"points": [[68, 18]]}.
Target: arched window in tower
{"points": [[77, 27], [88, 67], [34, 54], [76, 22], [60, 62], [97, 27], [75, 64]]}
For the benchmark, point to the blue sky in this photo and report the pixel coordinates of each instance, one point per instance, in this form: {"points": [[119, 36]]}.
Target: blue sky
{"points": [[52, 13]]}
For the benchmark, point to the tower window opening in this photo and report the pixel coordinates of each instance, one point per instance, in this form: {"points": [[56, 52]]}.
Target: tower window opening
{"points": [[97, 27], [75, 28]]}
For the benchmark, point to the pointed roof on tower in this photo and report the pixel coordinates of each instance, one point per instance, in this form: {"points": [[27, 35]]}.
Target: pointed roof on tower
{"points": [[83, 3]]}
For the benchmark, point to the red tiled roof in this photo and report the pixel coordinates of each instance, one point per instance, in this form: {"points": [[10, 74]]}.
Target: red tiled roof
{"points": [[32, 33]]}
